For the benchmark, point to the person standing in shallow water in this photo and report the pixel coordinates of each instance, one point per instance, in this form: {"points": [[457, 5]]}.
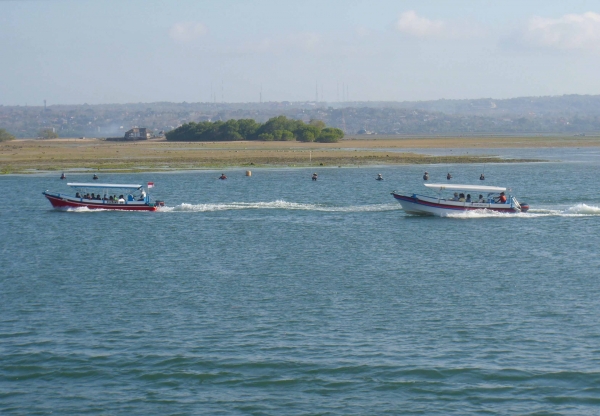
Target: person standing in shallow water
{"points": [[315, 176], [426, 176]]}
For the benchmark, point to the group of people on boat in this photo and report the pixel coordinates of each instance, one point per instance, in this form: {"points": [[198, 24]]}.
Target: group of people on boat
{"points": [[110, 199], [461, 198], [500, 199]]}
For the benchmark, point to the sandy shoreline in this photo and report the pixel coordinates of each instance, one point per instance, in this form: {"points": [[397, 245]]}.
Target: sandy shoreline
{"points": [[28, 156]]}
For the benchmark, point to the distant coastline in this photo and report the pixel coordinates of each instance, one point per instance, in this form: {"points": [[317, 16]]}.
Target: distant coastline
{"points": [[32, 156]]}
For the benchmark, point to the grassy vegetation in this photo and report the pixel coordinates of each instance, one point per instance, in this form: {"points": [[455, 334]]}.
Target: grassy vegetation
{"points": [[57, 155]]}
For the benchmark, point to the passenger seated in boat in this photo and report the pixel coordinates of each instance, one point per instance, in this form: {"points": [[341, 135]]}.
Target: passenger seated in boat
{"points": [[468, 198], [481, 199], [462, 198], [121, 199], [77, 195], [455, 197], [501, 199], [105, 197], [142, 196]]}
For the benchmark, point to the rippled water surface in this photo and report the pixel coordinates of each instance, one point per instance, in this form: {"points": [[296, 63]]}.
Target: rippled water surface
{"points": [[278, 295]]}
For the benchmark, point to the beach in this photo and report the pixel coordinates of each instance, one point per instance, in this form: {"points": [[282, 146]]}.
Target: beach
{"points": [[28, 155]]}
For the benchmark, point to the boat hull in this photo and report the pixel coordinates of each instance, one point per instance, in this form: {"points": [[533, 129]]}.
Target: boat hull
{"points": [[442, 208], [65, 202]]}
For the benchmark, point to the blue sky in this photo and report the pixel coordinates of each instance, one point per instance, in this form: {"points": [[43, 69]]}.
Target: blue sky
{"points": [[108, 51]]}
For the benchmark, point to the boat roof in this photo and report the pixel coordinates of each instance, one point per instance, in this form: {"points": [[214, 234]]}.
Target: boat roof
{"points": [[104, 185], [457, 187]]}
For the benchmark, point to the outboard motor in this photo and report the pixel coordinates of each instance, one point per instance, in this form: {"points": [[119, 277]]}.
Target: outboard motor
{"points": [[159, 203], [524, 207]]}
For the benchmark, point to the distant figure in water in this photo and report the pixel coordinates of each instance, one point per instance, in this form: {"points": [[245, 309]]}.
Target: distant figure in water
{"points": [[95, 177], [63, 176], [379, 177], [482, 177], [315, 177], [223, 176], [448, 176], [426, 176]]}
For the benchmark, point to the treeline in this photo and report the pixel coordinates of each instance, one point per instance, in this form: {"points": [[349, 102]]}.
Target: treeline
{"points": [[275, 129], [5, 136]]}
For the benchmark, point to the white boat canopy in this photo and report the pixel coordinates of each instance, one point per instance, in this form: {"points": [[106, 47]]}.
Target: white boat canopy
{"points": [[104, 185], [475, 188]]}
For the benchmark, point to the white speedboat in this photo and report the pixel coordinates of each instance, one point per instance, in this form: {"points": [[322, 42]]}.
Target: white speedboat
{"points": [[456, 198]]}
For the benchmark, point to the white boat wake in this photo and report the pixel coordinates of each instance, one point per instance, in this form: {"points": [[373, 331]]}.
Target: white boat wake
{"points": [[578, 210], [283, 205]]}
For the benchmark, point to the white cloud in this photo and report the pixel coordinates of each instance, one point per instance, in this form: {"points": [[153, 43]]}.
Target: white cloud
{"points": [[571, 31], [414, 25], [187, 31]]}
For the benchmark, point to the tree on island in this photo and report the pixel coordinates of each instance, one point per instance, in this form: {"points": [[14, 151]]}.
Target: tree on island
{"points": [[5, 136], [48, 134], [275, 129]]}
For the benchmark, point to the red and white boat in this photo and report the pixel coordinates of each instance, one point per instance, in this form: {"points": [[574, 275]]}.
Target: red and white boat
{"points": [[119, 197], [492, 198]]}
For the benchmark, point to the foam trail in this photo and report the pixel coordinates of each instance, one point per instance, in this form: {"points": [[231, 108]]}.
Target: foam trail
{"points": [[82, 209], [578, 210], [583, 209], [278, 205]]}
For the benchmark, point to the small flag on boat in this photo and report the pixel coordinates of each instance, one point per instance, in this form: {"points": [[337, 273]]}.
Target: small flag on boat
{"points": [[150, 185]]}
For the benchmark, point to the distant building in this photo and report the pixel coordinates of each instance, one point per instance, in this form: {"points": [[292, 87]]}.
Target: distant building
{"points": [[137, 133]]}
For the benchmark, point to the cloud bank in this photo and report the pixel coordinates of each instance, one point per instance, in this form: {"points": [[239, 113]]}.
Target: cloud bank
{"points": [[571, 31], [414, 25]]}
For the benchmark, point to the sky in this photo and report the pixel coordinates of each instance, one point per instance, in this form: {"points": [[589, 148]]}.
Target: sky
{"points": [[128, 51]]}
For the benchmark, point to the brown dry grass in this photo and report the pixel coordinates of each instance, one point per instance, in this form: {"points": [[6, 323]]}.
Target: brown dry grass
{"points": [[63, 154]]}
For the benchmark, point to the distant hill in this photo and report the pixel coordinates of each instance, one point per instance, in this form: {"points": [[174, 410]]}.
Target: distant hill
{"points": [[567, 114]]}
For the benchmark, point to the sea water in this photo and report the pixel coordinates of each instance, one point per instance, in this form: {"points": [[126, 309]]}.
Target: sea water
{"points": [[274, 294]]}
